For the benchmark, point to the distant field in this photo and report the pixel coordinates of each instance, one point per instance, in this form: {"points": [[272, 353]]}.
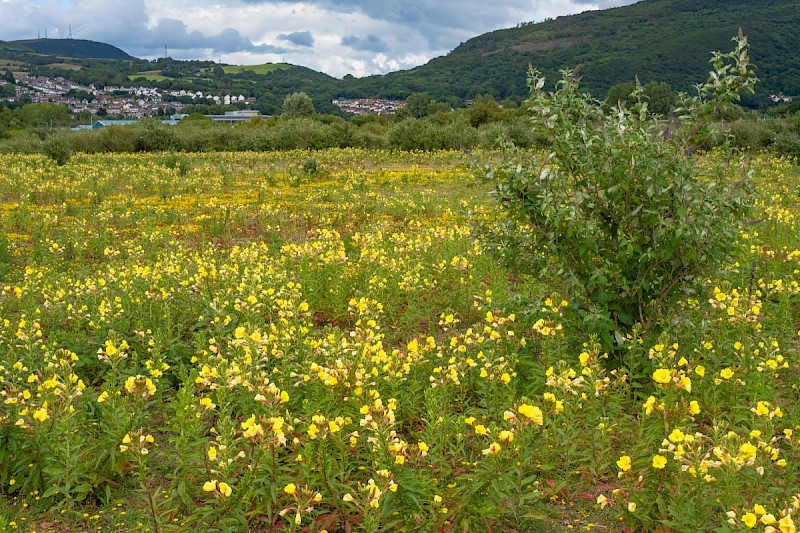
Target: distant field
{"points": [[67, 66], [258, 69], [149, 77]]}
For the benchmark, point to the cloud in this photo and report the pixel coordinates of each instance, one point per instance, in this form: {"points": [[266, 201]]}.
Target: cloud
{"points": [[298, 38], [338, 37], [370, 43]]}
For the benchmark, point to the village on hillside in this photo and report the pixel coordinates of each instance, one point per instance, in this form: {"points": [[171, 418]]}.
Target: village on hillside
{"points": [[132, 102]]}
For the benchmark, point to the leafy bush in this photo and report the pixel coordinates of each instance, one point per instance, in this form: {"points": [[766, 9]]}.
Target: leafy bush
{"points": [[623, 216], [57, 148]]}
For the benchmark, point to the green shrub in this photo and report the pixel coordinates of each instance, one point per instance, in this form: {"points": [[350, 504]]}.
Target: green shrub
{"points": [[624, 217], [57, 148]]}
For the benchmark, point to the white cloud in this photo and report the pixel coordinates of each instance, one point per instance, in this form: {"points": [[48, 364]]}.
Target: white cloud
{"points": [[339, 37]]}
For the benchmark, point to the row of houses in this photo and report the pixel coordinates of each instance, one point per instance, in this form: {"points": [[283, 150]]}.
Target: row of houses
{"points": [[369, 106]]}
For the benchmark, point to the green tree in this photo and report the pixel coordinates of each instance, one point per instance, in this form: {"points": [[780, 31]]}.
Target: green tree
{"points": [[298, 104], [660, 98], [624, 217], [421, 105], [7, 91], [619, 94], [44, 115], [484, 109]]}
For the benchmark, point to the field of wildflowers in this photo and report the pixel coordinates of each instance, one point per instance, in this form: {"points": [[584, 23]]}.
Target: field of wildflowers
{"points": [[318, 341]]}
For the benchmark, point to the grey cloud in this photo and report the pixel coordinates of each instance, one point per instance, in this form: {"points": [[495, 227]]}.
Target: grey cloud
{"points": [[298, 38], [370, 43]]}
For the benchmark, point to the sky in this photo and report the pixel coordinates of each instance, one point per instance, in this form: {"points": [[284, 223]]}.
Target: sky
{"points": [[338, 37]]}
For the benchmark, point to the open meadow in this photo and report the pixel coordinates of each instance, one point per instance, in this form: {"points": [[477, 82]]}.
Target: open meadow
{"points": [[309, 341]]}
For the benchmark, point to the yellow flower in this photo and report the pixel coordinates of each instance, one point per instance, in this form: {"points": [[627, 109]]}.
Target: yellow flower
{"points": [[662, 375], [225, 489], [333, 426], [291, 488], [480, 429], [750, 520], [631, 507], [210, 486], [40, 415], [700, 370], [786, 525], [506, 436], [212, 453], [532, 412], [726, 373], [747, 451], [761, 409], [677, 435], [659, 461], [313, 430], [624, 463], [602, 501], [103, 397], [694, 407], [206, 403]]}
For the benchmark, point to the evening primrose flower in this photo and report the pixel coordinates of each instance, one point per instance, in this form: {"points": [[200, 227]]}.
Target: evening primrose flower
{"points": [[225, 489], [624, 463], [726, 373], [423, 448], [786, 525], [506, 436], [531, 412], [659, 462], [291, 488], [210, 486], [677, 435], [750, 520], [662, 376]]}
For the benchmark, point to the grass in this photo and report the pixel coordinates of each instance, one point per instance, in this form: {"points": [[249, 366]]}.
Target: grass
{"points": [[248, 341], [265, 68], [148, 77]]}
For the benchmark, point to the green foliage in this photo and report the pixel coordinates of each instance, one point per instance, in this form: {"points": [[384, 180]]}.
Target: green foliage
{"points": [[57, 148], [623, 217], [298, 104]]}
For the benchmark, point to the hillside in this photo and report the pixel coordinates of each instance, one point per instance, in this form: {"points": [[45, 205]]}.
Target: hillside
{"points": [[658, 40], [74, 48]]}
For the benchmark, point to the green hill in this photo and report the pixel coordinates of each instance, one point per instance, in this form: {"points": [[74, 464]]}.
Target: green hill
{"points": [[658, 40], [74, 48]]}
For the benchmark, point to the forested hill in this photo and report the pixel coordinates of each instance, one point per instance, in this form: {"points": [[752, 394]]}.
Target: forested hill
{"points": [[74, 48], [658, 40]]}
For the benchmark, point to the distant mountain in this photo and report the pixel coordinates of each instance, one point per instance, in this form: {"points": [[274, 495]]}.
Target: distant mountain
{"points": [[658, 40], [74, 48]]}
